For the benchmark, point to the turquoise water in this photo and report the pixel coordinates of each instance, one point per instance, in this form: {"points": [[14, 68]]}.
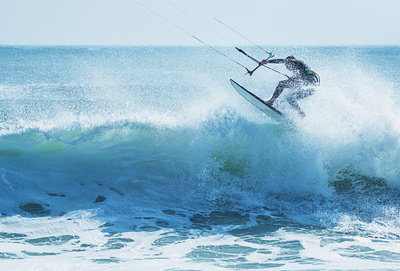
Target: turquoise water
{"points": [[145, 158]]}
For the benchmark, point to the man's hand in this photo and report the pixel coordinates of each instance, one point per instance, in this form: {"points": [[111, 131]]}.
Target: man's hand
{"points": [[264, 62]]}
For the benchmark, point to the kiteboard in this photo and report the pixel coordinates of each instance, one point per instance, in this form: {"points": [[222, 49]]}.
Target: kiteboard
{"points": [[258, 102]]}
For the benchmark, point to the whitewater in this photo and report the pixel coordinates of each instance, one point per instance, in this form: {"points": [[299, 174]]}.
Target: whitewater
{"points": [[145, 158]]}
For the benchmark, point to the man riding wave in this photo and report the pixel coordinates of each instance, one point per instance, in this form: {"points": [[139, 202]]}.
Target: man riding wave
{"points": [[302, 81]]}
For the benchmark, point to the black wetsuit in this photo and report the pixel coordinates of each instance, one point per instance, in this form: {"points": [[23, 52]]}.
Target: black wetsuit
{"points": [[302, 78]]}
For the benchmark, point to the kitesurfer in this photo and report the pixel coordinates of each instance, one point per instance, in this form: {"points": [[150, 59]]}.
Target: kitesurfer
{"points": [[302, 81]]}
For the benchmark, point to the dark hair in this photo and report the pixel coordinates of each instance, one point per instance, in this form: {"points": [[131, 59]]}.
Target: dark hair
{"points": [[290, 57]]}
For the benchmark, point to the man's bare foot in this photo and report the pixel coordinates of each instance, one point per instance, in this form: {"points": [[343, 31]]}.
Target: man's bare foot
{"points": [[270, 103]]}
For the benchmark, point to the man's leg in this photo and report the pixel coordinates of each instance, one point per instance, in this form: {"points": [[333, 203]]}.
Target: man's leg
{"points": [[278, 91], [296, 106], [301, 94]]}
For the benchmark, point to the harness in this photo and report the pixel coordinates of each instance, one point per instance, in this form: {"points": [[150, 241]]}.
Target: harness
{"points": [[315, 75]]}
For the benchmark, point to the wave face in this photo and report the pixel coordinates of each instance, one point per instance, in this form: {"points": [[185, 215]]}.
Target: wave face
{"points": [[147, 156]]}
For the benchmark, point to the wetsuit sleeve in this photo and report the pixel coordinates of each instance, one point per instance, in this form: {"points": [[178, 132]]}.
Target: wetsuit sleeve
{"points": [[277, 61]]}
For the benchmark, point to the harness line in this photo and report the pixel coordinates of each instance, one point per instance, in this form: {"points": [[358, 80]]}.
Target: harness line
{"points": [[186, 32], [221, 22], [199, 22], [211, 47]]}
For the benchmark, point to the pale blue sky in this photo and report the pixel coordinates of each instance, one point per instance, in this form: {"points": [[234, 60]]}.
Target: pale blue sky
{"points": [[266, 22]]}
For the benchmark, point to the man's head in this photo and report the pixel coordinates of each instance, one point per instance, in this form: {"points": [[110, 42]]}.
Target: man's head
{"points": [[290, 57]]}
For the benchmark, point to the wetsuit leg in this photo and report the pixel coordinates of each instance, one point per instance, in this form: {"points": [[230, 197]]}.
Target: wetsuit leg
{"points": [[278, 91], [301, 94]]}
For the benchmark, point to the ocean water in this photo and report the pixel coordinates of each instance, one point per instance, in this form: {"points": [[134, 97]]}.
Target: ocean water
{"points": [[145, 158]]}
